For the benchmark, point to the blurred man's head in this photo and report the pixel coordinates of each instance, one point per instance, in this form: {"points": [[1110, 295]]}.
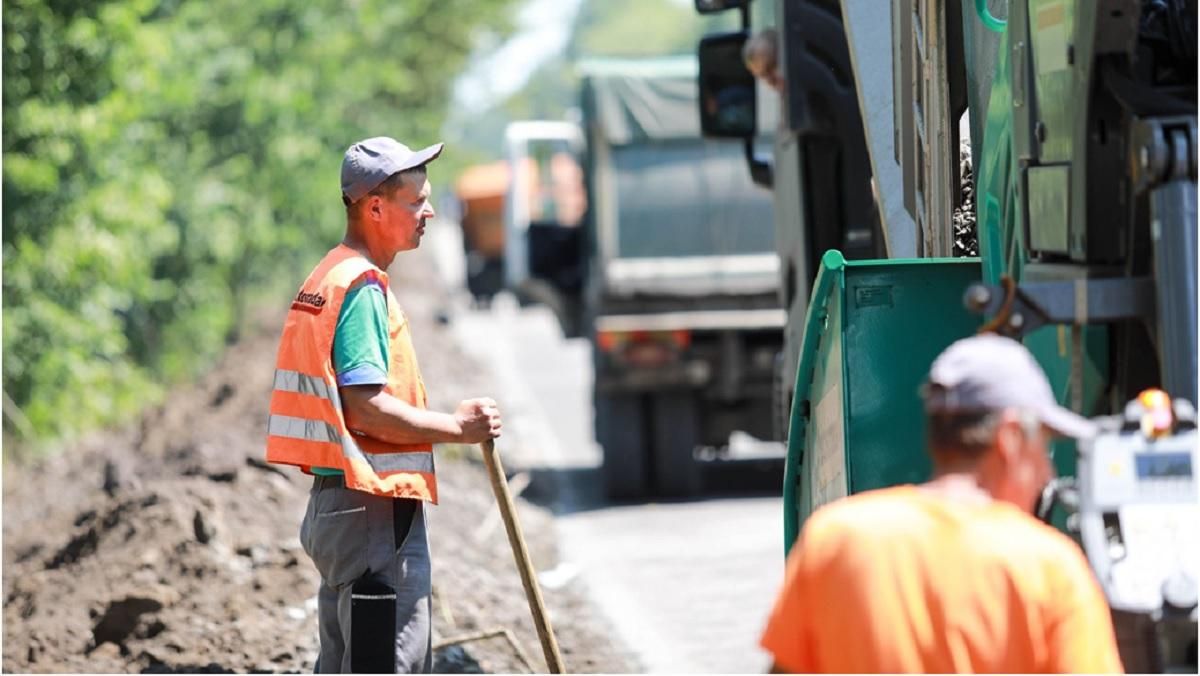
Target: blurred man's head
{"points": [[761, 54], [990, 411], [385, 190]]}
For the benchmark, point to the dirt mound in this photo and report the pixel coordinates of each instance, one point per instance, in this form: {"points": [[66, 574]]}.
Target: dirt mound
{"points": [[171, 547]]}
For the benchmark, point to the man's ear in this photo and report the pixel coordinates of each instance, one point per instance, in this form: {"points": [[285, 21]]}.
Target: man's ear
{"points": [[374, 206], [1009, 436]]}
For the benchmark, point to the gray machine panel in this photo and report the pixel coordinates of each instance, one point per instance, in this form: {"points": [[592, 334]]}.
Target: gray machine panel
{"points": [[1140, 520]]}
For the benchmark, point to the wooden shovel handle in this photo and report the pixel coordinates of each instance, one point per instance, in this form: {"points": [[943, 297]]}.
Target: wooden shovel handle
{"points": [[533, 593]]}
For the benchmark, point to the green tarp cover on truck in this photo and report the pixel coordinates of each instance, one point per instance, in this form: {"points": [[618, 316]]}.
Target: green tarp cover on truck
{"points": [[659, 190]]}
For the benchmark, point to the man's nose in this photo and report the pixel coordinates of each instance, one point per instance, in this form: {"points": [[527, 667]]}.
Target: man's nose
{"points": [[429, 212]]}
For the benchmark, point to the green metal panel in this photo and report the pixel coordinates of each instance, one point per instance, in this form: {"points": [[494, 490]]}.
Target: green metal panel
{"points": [[898, 316], [1051, 32], [826, 477], [994, 163], [873, 329], [797, 503], [1049, 199]]}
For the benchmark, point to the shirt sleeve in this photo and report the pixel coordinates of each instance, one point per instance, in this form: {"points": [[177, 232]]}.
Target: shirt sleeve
{"points": [[1081, 639], [360, 340], [787, 636]]}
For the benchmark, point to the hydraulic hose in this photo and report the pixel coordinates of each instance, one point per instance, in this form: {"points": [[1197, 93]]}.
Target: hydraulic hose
{"points": [[985, 15]]}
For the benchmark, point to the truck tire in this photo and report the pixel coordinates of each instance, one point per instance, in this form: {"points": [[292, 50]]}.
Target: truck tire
{"points": [[676, 431], [620, 425]]}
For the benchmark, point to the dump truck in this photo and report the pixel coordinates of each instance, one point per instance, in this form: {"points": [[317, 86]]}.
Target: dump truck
{"points": [[1080, 119], [678, 290], [682, 284]]}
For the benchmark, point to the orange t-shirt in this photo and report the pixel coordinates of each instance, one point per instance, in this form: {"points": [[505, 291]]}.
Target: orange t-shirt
{"points": [[901, 580]]}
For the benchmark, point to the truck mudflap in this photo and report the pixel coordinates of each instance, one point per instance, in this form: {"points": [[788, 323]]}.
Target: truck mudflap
{"points": [[872, 329]]}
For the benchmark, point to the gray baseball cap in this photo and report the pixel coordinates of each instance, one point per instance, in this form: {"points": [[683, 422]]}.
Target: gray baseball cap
{"points": [[991, 372], [369, 162]]}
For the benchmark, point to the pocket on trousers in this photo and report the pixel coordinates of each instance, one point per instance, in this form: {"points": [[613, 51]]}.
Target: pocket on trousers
{"points": [[338, 542], [372, 626]]}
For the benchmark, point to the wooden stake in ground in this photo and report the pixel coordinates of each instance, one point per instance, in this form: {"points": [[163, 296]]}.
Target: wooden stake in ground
{"points": [[533, 593]]}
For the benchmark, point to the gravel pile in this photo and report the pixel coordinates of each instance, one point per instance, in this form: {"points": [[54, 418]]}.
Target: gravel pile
{"points": [[966, 235]]}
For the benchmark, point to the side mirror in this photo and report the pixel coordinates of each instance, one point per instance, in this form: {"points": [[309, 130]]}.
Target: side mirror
{"points": [[714, 6], [728, 105]]}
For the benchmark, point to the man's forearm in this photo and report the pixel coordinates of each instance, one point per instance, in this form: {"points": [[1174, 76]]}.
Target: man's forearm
{"points": [[384, 417]]}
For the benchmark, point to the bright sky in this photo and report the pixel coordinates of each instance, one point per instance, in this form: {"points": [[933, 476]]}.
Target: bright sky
{"points": [[542, 29]]}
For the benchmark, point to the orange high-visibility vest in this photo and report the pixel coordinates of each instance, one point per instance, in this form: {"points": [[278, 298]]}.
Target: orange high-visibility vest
{"points": [[307, 426]]}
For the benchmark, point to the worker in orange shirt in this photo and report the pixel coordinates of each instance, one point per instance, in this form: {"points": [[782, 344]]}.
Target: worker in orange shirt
{"points": [[954, 575]]}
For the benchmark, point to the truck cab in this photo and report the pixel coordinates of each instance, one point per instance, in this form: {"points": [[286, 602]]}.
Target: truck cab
{"points": [[544, 255]]}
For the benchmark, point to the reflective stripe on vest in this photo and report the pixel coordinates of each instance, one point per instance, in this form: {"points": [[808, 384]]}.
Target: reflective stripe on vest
{"points": [[295, 381], [302, 428], [321, 431]]}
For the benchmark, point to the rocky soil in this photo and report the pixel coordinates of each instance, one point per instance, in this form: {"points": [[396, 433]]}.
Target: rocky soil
{"points": [[170, 547], [966, 232]]}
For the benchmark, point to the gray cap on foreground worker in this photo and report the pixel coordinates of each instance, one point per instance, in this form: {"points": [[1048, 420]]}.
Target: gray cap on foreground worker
{"points": [[371, 161], [991, 372]]}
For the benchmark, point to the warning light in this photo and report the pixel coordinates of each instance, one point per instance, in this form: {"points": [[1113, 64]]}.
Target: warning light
{"points": [[1157, 417]]}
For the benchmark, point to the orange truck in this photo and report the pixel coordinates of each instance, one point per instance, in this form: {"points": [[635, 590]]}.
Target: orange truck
{"points": [[511, 226], [481, 191]]}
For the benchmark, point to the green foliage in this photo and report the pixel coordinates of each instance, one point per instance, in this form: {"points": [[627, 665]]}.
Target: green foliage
{"points": [[637, 28], [602, 28], [165, 161]]}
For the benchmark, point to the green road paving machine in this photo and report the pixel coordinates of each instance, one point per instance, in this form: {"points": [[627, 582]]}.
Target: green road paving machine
{"points": [[1066, 131]]}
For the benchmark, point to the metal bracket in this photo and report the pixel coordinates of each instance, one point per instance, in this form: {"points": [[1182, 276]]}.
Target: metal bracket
{"points": [[1058, 491], [1165, 171], [1018, 310], [1163, 148]]}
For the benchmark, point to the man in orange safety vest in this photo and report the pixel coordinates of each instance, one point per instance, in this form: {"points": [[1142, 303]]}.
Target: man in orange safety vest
{"points": [[349, 407]]}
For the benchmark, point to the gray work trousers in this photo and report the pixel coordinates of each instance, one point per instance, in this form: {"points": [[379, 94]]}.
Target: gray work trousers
{"points": [[374, 603]]}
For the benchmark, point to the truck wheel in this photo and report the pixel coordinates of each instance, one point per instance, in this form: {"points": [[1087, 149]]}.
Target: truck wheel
{"points": [[620, 425], [676, 431]]}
